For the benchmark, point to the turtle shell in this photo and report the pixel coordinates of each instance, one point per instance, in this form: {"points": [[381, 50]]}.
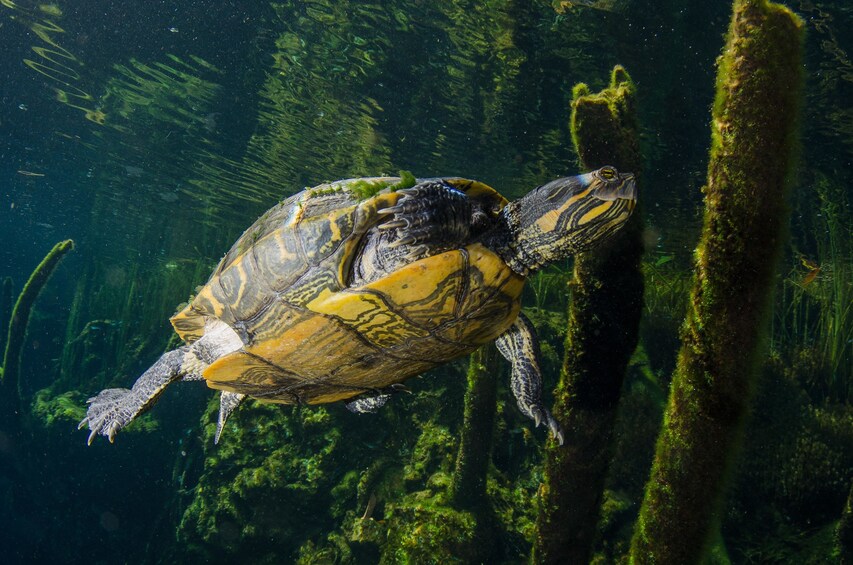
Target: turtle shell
{"points": [[309, 337]]}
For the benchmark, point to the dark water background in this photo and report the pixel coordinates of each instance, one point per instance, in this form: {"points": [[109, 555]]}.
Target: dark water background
{"points": [[153, 133]]}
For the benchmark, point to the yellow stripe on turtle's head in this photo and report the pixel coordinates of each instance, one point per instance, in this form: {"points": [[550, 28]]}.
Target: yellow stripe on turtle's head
{"points": [[566, 216]]}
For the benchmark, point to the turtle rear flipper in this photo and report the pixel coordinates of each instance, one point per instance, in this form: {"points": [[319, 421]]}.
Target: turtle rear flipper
{"points": [[228, 402], [114, 408], [370, 402]]}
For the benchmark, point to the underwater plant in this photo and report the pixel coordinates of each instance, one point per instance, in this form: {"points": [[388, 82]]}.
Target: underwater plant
{"points": [[754, 128], [815, 324], [10, 387]]}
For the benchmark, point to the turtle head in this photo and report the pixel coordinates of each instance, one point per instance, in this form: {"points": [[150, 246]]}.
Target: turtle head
{"points": [[564, 217]]}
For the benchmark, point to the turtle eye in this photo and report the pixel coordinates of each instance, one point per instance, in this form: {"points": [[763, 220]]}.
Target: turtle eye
{"points": [[607, 173]]}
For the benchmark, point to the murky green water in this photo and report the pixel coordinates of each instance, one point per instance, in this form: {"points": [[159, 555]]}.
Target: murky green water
{"points": [[154, 133]]}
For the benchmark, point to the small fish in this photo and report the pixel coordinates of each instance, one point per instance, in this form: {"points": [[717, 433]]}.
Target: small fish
{"points": [[29, 173], [814, 271], [44, 225], [174, 29]]}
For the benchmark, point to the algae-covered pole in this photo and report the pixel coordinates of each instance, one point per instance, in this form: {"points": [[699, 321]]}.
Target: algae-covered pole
{"points": [[10, 400], [607, 297], [472, 461], [753, 136]]}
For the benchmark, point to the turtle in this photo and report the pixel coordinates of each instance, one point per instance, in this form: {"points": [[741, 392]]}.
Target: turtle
{"points": [[343, 291]]}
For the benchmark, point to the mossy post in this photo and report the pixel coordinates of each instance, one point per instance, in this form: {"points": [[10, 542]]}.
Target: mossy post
{"points": [[475, 445], [604, 317], [10, 396], [753, 140]]}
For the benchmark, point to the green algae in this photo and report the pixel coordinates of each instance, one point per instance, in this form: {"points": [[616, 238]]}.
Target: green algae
{"points": [[271, 475], [604, 315], [424, 528], [752, 150], [67, 407], [364, 188]]}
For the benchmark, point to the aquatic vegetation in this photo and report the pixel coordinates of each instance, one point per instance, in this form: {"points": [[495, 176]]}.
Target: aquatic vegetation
{"points": [[65, 408], [10, 387], [562, 6], [423, 528], [344, 493], [6, 303], [753, 133], [550, 288], [667, 292], [604, 318], [798, 457], [816, 318], [268, 460], [108, 335]]}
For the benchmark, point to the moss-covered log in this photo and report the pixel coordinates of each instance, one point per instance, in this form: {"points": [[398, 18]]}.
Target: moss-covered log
{"points": [[10, 399], [475, 446], [604, 317], [753, 138]]}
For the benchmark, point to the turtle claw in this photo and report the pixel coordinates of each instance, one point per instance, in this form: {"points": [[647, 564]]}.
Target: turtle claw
{"points": [[390, 210], [540, 415], [402, 223], [108, 413], [555, 428], [408, 240], [537, 417], [112, 429]]}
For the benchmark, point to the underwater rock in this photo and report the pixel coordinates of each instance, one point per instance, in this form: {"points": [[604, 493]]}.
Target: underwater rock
{"points": [[753, 135]]}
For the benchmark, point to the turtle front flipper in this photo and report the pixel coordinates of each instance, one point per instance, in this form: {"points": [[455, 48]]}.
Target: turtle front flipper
{"points": [[114, 408], [520, 347], [431, 213]]}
